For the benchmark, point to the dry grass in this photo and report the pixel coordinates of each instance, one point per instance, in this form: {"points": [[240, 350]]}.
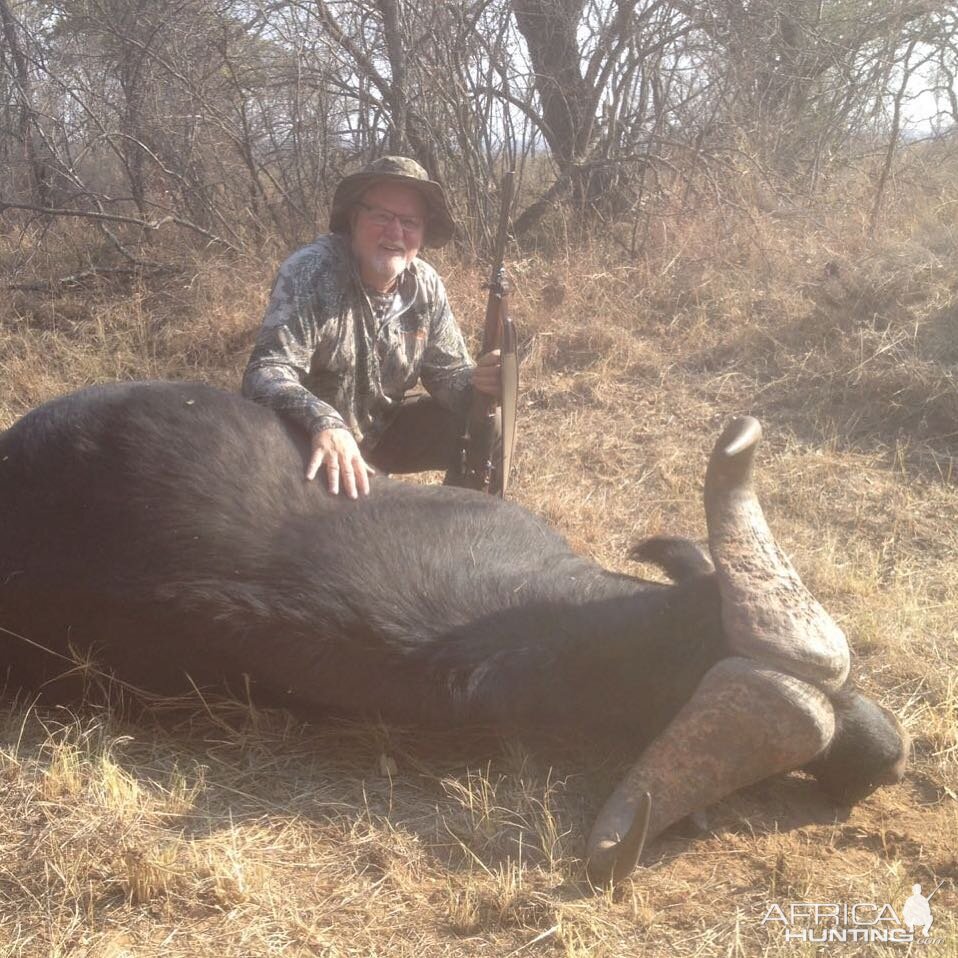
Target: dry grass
{"points": [[220, 830]]}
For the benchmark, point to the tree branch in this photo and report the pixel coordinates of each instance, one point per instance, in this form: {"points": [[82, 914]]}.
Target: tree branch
{"points": [[118, 218]]}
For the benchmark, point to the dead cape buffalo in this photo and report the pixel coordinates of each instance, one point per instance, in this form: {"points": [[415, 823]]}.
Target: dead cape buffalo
{"points": [[168, 526]]}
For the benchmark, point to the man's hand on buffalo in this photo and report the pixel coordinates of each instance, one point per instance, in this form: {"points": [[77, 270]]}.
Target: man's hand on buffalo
{"points": [[336, 451], [487, 374]]}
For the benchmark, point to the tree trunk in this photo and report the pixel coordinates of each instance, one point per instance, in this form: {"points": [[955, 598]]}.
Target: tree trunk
{"points": [[38, 172]]}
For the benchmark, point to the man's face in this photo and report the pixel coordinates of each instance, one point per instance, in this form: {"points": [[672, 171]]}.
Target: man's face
{"points": [[388, 225]]}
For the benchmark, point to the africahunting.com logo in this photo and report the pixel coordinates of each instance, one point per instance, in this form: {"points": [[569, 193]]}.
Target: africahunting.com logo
{"points": [[835, 922]]}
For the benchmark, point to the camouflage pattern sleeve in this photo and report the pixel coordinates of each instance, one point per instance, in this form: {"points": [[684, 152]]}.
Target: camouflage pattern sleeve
{"points": [[446, 369], [280, 363]]}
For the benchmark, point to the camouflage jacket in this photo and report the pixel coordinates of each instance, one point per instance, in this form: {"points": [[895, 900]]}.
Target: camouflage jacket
{"points": [[323, 359]]}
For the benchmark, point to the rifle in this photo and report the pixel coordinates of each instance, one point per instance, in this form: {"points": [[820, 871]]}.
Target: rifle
{"points": [[490, 434]]}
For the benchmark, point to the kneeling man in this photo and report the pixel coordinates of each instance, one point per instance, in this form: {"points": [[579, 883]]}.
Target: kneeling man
{"points": [[355, 320]]}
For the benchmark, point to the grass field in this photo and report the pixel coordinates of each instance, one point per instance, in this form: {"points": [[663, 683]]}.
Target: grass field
{"points": [[214, 829]]}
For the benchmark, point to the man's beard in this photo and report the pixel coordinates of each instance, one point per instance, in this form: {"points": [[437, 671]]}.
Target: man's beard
{"points": [[387, 265]]}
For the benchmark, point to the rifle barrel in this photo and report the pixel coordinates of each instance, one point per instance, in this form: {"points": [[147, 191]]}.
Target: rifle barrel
{"points": [[506, 188]]}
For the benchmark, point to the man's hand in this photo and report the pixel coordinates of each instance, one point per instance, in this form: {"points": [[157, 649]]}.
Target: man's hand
{"points": [[336, 450], [486, 376]]}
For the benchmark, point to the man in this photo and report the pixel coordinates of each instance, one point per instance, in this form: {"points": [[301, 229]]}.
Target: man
{"points": [[355, 320]]}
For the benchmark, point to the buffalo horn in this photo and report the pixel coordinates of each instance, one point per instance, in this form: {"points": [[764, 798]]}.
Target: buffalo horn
{"points": [[767, 613], [743, 723]]}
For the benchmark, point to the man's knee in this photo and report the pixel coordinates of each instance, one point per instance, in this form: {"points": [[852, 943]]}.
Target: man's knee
{"points": [[423, 436]]}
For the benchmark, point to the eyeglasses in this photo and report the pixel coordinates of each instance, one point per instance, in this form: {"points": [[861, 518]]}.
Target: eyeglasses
{"points": [[383, 218]]}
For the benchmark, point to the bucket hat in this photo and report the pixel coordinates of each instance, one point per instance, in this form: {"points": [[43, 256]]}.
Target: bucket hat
{"points": [[394, 169]]}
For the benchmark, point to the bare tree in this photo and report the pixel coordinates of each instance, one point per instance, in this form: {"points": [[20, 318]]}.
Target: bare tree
{"points": [[19, 84], [230, 121]]}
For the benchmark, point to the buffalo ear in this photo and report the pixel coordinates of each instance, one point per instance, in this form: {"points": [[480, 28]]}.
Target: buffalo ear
{"points": [[678, 558], [870, 749]]}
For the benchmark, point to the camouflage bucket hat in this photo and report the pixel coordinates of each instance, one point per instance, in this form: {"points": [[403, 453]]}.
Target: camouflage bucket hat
{"points": [[396, 169]]}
